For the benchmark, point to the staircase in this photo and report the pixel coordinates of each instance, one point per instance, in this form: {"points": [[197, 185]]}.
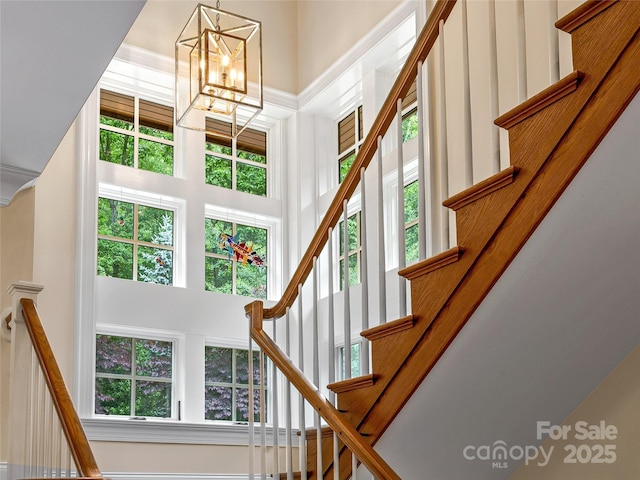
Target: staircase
{"points": [[551, 136]]}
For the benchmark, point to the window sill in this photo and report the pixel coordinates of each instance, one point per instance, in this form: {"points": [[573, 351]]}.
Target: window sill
{"points": [[168, 431]]}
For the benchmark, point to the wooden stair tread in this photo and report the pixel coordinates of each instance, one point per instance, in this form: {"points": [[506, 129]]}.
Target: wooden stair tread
{"points": [[480, 189], [389, 328], [352, 383], [431, 264], [546, 97], [582, 14], [296, 475]]}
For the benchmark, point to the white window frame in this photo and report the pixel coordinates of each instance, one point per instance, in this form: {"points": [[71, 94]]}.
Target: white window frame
{"points": [[177, 369], [165, 202]]}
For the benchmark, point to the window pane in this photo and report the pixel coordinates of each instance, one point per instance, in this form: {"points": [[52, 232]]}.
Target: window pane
{"points": [[217, 171], [218, 364], [411, 202], [114, 122], [251, 281], [355, 361], [218, 402], [156, 132], [254, 157], [218, 148], [411, 245], [242, 367], [115, 218], [217, 276], [155, 225], [353, 232], [213, 229], [242, 405], [113, 396], [354, 271], [410, 125], [116, 148], [251, 179], [345, 164], [153, 399], [113, 354], [155, 157], [115, 259], [155, 265], [255, 237], [153, 358]]}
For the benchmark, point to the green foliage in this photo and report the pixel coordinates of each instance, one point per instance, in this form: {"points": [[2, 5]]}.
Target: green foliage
{"points": [[355, 361], [218, 275], [354, 270], [115, 259], [411, 195], [218, 171], [410, 125], [251, 179], [345, 165], [116, 148], [155, 157], [254, 157]]}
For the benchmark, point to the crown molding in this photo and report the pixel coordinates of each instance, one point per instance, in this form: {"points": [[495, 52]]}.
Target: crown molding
{"points": [[12, 180]]}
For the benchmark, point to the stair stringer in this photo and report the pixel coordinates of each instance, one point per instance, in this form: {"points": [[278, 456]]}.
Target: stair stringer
{"points": [[548, 147]]}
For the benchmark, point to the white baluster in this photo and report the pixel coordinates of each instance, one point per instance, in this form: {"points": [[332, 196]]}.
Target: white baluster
{"points": [[316, 362], [263, 414], [364, 270], [252, 442], [347, 301], [554, 47], [275, 420], [382, 254], [442, 141], [422, 183], [302, 426], [494, 86], [288, 406], [521, 42], [402, 288]]}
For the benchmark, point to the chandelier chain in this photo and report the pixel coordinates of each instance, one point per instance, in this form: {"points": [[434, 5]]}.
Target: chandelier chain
{"points": [[218, 16]]}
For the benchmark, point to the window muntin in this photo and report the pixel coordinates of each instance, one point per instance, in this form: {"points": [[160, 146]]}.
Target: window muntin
{"points": [[240, 164], [354, 249], [350, 138], [136, 133], [226, 381], [226, 272], [134, 376], [135, 241]]}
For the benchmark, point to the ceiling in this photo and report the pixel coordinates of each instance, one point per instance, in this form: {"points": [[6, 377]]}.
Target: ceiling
{"points": [[52, 54], [561, 317]]}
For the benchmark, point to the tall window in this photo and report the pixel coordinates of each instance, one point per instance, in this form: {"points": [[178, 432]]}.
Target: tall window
{"points": [[235, 258], [136, 133], [350, 138], [355, 360], [226, 380], [411, 222], [353, 251], [239, 165], [133, 376], [135, 241], [410, 114]]}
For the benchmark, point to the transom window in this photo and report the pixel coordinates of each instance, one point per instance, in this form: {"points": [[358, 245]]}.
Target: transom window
{"points": [[136, 133], [135, 241], [350, 138], [226, 380], [353, 251], [240, 164], [133, 376], [235, 258]]}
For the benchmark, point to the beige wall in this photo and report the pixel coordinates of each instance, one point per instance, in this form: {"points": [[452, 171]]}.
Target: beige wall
{"points": [[16, 263], [328, 29], [615, 402]]}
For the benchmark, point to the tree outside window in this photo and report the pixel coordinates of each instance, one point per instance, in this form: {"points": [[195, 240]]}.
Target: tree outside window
{"points": [[135, 241], [136, 133], [133, 376], [236, 275], [355, 361], [240, 164], [226, 381], [411, 222], [353, 251], [410, 115]]}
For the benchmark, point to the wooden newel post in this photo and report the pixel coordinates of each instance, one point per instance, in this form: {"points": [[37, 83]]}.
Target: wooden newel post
{"points": [[20, 382]]}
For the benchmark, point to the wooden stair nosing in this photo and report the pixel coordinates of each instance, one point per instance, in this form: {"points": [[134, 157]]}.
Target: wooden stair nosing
{"points": [[355, 383], [389, 328], [424, 350], [582, 14], [480, 189], [539, 101], [432, 263]]}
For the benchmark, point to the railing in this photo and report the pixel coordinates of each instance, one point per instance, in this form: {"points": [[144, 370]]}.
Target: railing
{"points": [[46, 436], [457, 147]]}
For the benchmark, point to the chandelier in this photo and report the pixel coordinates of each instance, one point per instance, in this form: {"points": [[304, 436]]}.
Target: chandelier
{"points": [[218, 71]]}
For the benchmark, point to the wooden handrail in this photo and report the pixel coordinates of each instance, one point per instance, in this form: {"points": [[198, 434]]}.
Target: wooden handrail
{"points": [[345, 431], [387, 113], [69, 420]]}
